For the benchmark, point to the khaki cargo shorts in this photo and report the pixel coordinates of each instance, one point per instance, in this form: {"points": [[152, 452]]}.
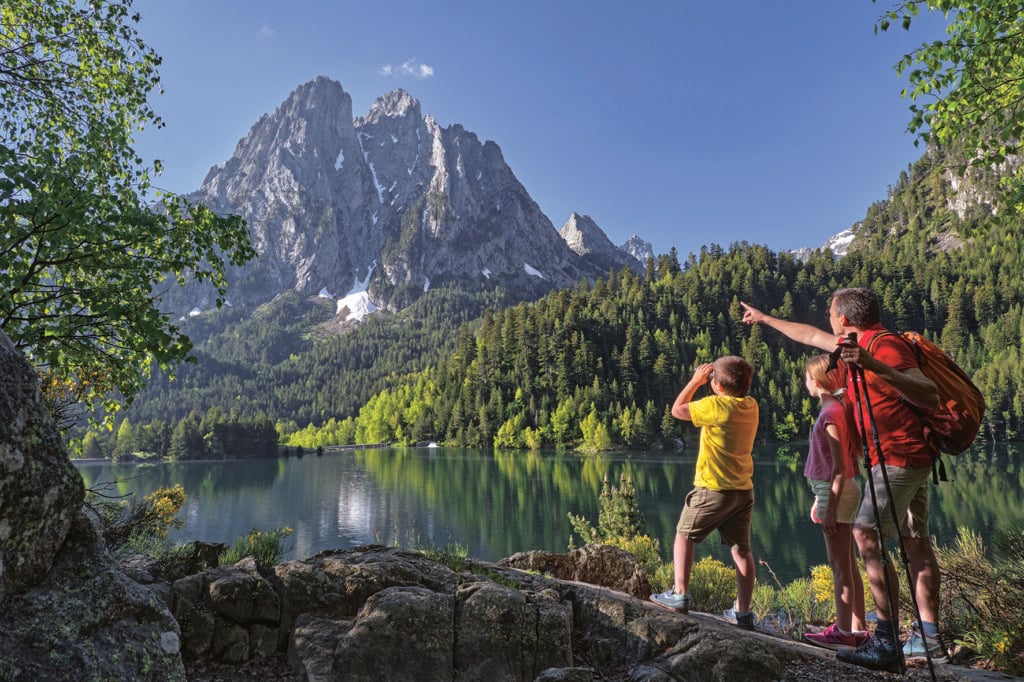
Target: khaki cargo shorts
{"points": [[727, 511]]}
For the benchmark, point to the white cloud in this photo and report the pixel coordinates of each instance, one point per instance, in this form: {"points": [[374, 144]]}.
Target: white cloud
{"points": [[410, 67], [266, 32]]}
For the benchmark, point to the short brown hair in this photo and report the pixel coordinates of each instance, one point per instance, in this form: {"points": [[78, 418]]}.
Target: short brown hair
{"points": [[859, 305], [734, 375]]}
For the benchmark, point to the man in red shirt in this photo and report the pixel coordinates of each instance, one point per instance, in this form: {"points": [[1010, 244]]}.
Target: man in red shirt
{"points": [[893, 384]]}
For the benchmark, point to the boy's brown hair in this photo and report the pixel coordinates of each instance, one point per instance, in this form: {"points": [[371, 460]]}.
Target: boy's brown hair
{"points": [[734, 375]]}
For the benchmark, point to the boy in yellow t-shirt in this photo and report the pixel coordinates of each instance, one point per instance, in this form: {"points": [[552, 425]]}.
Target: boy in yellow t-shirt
{"points": [[723, 494]]}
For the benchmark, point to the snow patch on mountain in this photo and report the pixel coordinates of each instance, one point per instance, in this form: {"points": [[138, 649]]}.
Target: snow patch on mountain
{"points": [[358, 306], [357, 301], [838, 243]]}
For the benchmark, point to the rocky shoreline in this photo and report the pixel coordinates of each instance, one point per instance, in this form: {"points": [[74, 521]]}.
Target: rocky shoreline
{"points": [[385, 613]]}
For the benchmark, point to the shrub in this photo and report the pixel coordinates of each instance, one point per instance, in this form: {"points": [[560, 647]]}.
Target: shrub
{"points": [[789, 608], [764, 602], [981, 600], [162, 507], [712, 585], [171, 560], [799, 601], [128, 523], [662, 578], [267, 547], [453, 555], [645, 549], [823, 587]]}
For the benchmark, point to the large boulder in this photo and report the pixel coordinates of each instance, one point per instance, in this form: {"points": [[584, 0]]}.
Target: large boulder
{"points": [[230, 613], [67, 610], [376, 613], [86, 620], [336, 584], [402, 633], [40, 491], [507, 633]]}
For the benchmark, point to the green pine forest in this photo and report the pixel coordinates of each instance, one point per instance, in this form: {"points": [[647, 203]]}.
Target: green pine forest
{"points": [[598, 366]]}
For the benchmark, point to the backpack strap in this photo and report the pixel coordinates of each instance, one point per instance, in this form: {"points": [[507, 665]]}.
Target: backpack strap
{"points": [[938, 473], [884, 333], [881, 386]]}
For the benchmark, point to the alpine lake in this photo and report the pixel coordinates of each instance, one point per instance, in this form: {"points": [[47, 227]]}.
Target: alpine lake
{"points": [[496, 503]]}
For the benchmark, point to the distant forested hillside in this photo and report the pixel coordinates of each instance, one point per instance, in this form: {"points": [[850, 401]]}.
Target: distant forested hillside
{"points": [[600, 364]]}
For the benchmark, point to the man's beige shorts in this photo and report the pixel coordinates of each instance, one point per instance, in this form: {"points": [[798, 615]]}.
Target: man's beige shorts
{"points": [[910, 492]]}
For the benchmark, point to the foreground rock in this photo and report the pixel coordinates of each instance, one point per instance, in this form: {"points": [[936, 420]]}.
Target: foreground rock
{"points": [[67, 611], [88, 621], [380, 613], [40, 492]]}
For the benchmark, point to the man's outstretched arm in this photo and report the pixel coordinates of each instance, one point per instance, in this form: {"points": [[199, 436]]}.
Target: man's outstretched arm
{"points": [[798, 331]]}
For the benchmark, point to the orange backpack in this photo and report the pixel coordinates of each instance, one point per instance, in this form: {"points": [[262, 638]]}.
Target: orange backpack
{"points": [[954, 424]]}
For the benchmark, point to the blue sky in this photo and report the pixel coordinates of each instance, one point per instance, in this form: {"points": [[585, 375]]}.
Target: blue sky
{"points": [[686, 123]]}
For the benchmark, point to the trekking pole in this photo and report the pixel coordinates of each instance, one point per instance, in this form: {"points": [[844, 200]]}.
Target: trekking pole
{"points": [[883, 555], [857, 375]]}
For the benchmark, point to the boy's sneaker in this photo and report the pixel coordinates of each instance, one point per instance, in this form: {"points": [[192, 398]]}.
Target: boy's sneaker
{"points": [[743, 620], [876, 653], [914, 649], [680, 603], [832, 638]]}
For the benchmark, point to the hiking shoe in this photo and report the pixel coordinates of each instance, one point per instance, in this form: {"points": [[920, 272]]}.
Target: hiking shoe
{"points": [[832, 638], [679, 603], [914, 649], [876, 653], [743, 620]]}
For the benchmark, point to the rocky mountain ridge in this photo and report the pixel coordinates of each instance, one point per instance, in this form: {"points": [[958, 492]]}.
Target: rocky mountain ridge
{"points": [[585, 238], [389, 205]]}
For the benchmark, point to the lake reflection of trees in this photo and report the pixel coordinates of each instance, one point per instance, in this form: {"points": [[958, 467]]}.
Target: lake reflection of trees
{"points": [[499, 502], [983, 493], [520, 500], [209, 477]]}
